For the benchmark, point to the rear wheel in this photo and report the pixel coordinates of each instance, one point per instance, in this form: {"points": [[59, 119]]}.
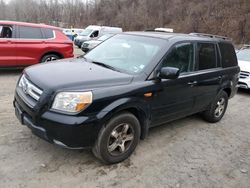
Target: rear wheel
{"points": [[118, 139], [49, 57], [217, 108]]}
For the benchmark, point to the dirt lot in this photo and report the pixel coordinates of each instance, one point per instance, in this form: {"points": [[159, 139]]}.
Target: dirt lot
{"points": [[184, 153]]}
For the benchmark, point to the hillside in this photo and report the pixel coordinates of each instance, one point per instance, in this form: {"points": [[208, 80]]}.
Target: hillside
{"points": [[222, 17]]}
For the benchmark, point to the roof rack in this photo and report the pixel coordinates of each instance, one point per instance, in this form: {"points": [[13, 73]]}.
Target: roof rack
{"points": [[246, 45], [152, 30], [210, 36], [163, 30]]}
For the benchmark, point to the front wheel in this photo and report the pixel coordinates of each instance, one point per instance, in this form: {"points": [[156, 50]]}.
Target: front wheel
{"points": [[118, 139], [217, 108]]}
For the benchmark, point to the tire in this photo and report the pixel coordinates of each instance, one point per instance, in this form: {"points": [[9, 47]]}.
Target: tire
{"points": [[108, 147], [217, 108], [49, 57]]}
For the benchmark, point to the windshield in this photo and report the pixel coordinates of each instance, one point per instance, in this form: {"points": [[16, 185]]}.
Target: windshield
{"points": [[244, 55], [105, 37], [86, 32], [126, 53]]}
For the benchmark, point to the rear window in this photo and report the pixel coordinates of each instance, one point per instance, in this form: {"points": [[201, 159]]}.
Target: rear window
{"points": [[26, 32], [228, 56], [48, 33], [206, 56]]}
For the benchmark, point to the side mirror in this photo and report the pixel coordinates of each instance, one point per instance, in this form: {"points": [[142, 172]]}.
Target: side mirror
{"points": [[169, 73]]}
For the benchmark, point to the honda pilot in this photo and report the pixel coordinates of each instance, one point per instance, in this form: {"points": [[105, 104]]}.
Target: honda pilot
{"points": [[109, 98]]}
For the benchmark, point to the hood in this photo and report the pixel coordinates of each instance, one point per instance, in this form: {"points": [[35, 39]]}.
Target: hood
{"points": [[82, 38], [74, 74], [244, 65], [93, 42]]}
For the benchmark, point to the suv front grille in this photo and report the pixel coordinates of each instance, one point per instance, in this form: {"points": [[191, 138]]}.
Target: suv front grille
{"points": [[85, 45], [244, 74], [28, 89]]}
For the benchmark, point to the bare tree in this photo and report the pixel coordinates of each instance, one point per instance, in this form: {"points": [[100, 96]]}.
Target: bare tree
{"points": [[223, 17]]}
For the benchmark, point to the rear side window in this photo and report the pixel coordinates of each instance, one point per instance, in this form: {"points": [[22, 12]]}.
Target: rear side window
{"points": [[48, 33], [206, 56], [228, 56], [26, 32]]}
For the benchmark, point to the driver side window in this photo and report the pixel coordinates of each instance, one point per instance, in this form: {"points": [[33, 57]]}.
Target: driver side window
{"points": [[5, 31], [95, 34], [181, 57]]}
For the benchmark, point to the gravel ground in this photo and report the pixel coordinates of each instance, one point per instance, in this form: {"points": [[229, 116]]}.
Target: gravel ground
{"points": [[185, 153]]}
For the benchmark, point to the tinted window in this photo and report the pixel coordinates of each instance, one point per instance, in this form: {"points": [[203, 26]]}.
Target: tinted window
{"points": [[30, 32], [48, 33], [206, 56], [181, 56], [6, 31], [228, 56]]}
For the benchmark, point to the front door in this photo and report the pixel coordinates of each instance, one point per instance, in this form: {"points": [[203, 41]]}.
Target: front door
{"points": [[7, 46], [175, 98]]}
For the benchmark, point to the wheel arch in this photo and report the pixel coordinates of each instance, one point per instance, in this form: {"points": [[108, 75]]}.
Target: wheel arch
{"points": [[52, 52], [140, 111], [228, 87], [228, 91]]}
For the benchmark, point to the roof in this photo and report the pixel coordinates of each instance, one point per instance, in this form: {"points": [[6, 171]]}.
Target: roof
{"points": [[28, 24], [179, 36]]}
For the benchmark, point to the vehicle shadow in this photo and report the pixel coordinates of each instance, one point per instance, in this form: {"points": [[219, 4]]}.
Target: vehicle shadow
{"points": [[83, 159], [8, 72], [243, 91]]}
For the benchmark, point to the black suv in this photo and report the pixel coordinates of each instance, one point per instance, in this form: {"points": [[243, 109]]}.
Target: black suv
{"points": [[109, 98]]}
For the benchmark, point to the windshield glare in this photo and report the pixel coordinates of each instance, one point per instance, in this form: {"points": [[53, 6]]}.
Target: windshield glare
{"points": [[244, 55], [86, 32], [127, 53]]}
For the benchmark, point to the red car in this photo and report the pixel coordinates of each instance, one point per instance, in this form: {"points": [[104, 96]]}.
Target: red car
{"points": [[24, 44]]}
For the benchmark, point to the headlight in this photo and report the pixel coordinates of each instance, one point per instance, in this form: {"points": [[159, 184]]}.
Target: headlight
{"points": [[21, 81], [90, 46], [72, 101]]}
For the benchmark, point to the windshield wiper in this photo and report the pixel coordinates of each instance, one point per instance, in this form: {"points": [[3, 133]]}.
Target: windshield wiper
{"points": [[105, 65]]}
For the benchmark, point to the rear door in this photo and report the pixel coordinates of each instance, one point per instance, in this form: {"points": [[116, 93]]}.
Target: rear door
{"points": [[7, 46], [30, 45], [209, 74]]}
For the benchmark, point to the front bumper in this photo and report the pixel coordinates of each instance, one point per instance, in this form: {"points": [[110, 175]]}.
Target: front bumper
{"points": [[78, 42], [85, 49], [74, 132], [244, 83]]}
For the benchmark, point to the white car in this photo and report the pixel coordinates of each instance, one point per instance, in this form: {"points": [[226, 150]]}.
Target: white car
{"points": [[90, 44], [243, 56], [93, 32]]}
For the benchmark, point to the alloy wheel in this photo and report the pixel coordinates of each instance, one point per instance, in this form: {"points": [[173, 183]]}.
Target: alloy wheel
{"points": [[51, 58], [120, 139], [220, 107]]}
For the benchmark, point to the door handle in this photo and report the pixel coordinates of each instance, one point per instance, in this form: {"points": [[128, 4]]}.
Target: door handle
{"points": [[192, 83]]}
